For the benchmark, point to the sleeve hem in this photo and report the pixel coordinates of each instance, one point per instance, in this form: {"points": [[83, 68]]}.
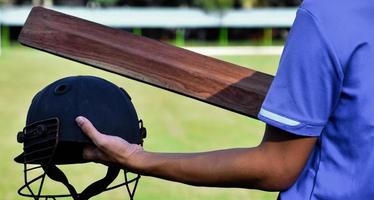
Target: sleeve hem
{"points": [[302, 129]]}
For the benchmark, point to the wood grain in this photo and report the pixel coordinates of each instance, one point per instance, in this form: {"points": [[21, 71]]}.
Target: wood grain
{"points": [[207, 79]]}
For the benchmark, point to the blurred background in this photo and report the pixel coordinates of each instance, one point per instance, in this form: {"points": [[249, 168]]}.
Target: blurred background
{"points": [[250, 33]]}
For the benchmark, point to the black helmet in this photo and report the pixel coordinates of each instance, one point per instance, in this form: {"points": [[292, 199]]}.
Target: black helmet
{"points": [[52, 137]]}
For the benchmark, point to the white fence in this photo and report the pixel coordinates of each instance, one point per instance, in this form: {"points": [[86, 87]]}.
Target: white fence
{"points": [[123, 17], [165, 17]]}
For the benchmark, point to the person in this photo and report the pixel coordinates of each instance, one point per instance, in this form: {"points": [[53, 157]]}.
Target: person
{"points": [[319, 138]]}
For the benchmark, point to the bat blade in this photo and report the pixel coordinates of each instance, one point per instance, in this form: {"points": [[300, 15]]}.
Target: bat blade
{"points": [[207, 79]]}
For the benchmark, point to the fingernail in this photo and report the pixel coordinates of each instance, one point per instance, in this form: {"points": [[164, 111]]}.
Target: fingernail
{"points": [[80, 120]]}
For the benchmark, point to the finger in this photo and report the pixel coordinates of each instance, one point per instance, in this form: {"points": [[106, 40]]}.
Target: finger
{"points": [[94, 154], [89, 129]]}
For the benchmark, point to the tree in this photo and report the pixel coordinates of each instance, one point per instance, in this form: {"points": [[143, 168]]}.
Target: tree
{"points": [[215, 4], [104, 3]]}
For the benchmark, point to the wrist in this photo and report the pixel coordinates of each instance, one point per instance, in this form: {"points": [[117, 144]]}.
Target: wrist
{"points": [[132, 158]]}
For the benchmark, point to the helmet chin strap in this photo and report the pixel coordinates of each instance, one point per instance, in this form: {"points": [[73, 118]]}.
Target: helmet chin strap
{"points": [[56, 174], [100, 185], [95, 188]]}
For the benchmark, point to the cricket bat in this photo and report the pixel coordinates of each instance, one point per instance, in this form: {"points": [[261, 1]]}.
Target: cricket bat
{"points": [[207, 79]]}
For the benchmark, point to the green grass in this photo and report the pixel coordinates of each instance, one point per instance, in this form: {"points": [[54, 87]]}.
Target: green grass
{"points": [[175, 124]]}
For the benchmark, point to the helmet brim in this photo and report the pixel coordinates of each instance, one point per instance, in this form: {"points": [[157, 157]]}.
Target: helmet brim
{"points": [[20, 158], [65, 153]]}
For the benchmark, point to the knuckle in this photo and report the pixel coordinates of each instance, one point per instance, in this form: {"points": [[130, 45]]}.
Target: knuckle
{"points": [[87, 155], [102, 143]]}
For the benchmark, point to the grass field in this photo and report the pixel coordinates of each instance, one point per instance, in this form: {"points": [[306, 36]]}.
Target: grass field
{"points": [[175, 124]]}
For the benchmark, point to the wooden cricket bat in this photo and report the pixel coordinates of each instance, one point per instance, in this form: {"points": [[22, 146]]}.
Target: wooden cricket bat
{"points": [[207, 79]]}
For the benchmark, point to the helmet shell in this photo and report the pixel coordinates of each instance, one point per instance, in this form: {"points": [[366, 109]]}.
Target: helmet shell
{"points": [[106, 105]]}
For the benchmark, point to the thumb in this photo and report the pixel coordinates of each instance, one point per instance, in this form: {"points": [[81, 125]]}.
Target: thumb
{"points": [[89, 129]]}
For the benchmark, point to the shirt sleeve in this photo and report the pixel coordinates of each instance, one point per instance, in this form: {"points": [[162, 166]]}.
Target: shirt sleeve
{"points": [[307, 85]]}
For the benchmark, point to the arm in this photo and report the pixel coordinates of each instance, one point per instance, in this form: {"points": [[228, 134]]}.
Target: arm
{"points": [[273, 165]]}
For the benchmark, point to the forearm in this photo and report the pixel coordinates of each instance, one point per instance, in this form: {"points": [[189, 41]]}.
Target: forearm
{"points": [[273, 165], [246, 168]]}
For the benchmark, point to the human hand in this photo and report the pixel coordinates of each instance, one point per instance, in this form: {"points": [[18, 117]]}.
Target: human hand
{"points": [[107, 148]]}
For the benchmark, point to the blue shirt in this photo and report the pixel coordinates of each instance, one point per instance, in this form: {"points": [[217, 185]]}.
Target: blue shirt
{"points": [[324, 87]]}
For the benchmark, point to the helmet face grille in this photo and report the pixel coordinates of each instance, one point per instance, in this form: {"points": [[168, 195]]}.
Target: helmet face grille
{"points": [[33, 186], [40, 141]]}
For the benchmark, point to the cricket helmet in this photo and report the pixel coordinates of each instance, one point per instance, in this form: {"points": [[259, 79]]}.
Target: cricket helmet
{"points": [[51, 136]]}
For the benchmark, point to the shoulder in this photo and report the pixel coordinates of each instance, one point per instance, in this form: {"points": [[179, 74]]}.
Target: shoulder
{"points": [[343, 22]]}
